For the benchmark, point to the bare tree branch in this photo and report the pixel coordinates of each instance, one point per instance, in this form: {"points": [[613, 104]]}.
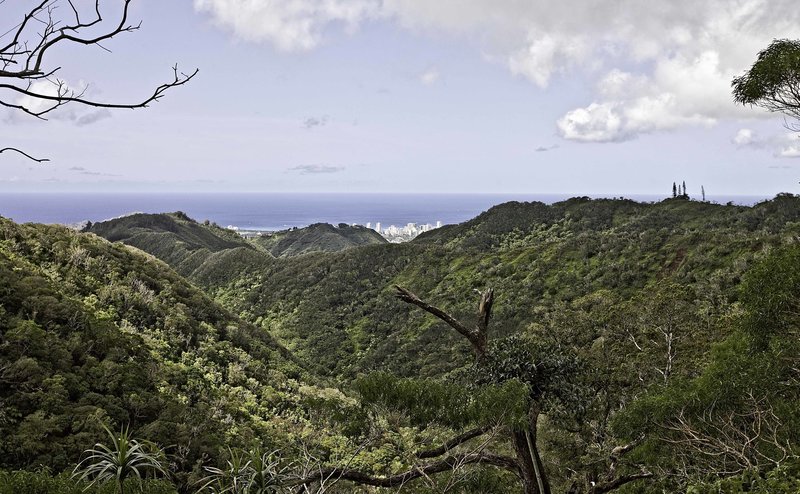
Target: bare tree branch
{"points": [[24, 58], [445, 464], [456, 441], [476, 336], [751, 437], [64, 98], [38, 160], [620, 481]]}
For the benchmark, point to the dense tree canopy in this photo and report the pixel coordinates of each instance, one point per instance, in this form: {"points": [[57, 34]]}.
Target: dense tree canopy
{"points": [[773, 82], [618, 323]]}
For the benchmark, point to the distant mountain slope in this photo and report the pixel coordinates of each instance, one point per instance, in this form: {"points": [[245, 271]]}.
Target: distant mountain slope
{"points": [[319, 237], [191, 248], [582, 214], [338, 312], [195, 235], [94, 332], [210, 255]]}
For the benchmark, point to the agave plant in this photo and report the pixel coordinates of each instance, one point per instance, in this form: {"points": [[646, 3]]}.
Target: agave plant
{"points": [[255, 472], [229, 480], [266, 474], [125, 457]]}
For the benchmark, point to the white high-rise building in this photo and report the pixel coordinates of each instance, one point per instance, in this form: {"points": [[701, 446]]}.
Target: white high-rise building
{"points": [[378, 227], [438, 224], [369, 225]]}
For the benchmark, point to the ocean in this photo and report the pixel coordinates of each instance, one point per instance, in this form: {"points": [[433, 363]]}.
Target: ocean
{"points": [[274, 211]]}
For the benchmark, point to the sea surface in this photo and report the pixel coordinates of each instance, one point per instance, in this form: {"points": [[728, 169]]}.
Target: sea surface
{"points": [[271, 211]]}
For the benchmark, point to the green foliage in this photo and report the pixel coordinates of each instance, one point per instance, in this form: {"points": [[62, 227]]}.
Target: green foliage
{"points": [[254, 472], [784, 479], [545, 367], [92, 332], [600, 304], [22, 482], [429, 402], [771, 297], [125, 458], [774, 79], [319, 237], [741, 414], [205, 251]]}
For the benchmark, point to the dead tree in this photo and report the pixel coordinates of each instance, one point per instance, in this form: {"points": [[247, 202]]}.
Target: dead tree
{"points": [[729, 442], [526, 463], [29, 80], [528, 460]]}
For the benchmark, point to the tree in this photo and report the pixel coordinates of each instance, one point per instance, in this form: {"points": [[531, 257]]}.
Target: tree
{"points": [[508, 389], [29, 80], [773, 82], [684, 194], [674, 190]]}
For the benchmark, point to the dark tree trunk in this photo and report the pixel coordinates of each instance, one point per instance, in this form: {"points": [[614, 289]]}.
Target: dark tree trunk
{"points": [[534, 478], [527, 470]]}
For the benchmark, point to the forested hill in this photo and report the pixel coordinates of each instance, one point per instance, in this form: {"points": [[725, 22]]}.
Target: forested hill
{"points": [[582, 214], [577, 258], [665, 332], [319, 237], [209, 254], [191, 248], [94, 333]]}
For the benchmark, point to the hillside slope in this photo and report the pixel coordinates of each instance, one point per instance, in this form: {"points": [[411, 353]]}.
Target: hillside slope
{"points": [[191, 248], [93, 332], [633, 304], [319, 237], [210, 255], [579, 256]]}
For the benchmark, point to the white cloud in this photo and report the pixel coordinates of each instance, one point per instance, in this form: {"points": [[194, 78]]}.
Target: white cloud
{"points": [[598, 122], [791, 146], [290, 25], [783, 145], [678, 92], [429, 77], [543, 55], [657, 65], [744, 137], [790, 152]]}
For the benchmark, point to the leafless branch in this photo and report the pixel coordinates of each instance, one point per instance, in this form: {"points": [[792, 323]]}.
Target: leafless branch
{"points": [[23, 153], [477, 336], [23, 59], [620, 481], [456, 441], [731, 442], [442, 465]]}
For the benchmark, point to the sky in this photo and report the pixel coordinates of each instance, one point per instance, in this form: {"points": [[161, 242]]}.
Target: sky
{"points": [[603, 97]]}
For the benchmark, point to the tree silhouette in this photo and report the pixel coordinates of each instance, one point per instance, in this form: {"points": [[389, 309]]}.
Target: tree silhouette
{"points": [[29, 78], [773, 82]]}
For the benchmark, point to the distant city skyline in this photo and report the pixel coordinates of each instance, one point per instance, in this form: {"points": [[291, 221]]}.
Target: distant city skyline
{"points": [[418, 96]]}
